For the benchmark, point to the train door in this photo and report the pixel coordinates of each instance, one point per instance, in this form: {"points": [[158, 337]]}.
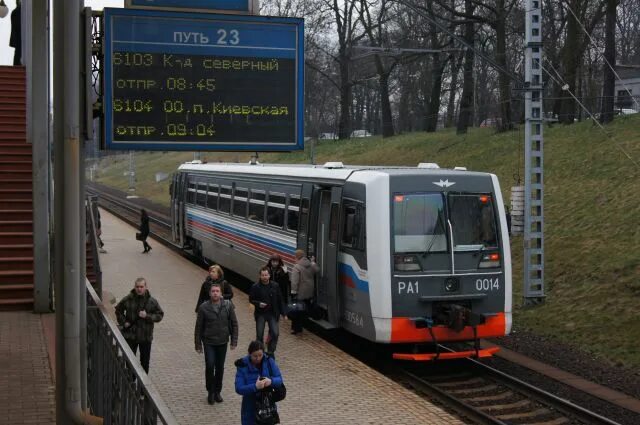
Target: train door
{"points": [[305, 237], [173, 191], [180, 209], [327, 253]]}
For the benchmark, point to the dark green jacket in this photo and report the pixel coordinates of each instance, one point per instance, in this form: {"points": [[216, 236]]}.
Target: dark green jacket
{"points": [[141, 330], [215, 325]]}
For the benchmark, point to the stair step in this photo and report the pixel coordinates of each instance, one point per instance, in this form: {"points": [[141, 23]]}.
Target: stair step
{"points": [[16, 184], [18, 116], [16, 264], [14, 165], [18, 214], [16, 226], [13, 148], [16, 204], [16, 304], [16, 277], [12, 108], [8, 238], [16, 250], [14, 193], [11, 127]]}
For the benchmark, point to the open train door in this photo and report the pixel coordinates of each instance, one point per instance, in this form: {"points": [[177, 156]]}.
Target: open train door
{"points": [[179, 208], [327, 254]]}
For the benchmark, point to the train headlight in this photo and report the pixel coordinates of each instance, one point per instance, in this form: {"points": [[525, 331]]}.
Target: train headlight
{"points": [[489, 261], [406, 263], [451, 284]]}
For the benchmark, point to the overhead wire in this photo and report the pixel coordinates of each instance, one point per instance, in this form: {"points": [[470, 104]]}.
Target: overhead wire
{"points": [[562, 83], [602, 54]]}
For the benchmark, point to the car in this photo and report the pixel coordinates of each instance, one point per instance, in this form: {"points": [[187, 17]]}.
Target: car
{"points": [[360, 133], [328, 136]]}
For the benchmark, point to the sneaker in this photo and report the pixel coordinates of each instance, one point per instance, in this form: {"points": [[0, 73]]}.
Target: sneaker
{"points": [[218, 398]]}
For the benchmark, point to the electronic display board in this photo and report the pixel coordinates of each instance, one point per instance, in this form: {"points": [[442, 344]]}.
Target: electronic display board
{"points": [[197, 82], [239, 6]]}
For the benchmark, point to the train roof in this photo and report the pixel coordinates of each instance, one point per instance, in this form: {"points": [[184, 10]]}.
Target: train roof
{"points": [[329, 170]]}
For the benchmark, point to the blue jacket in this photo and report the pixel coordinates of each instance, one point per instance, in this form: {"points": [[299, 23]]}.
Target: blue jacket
{"points": [[246, 376]]}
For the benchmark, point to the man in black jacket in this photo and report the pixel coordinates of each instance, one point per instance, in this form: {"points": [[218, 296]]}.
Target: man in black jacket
{"points": [[265, 295], [136, 314], [215, 325]]}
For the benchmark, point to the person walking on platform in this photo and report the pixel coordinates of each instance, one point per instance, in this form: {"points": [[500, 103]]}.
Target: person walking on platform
{"points": [[136, 314], [216, 276], [15, 38], [144, 230], [256, 372], [215, 325], [302, 287], [278, 272], [265, 295]]}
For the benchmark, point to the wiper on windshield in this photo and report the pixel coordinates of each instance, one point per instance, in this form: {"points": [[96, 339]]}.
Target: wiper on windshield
{"points": [[439, 224]]}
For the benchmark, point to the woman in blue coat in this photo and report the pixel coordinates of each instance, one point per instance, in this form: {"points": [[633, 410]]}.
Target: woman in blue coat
{"points": [[251, 369]]}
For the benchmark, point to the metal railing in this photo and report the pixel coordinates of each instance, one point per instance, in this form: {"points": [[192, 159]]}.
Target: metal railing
{"points": [[93, 238], [118, 388]]}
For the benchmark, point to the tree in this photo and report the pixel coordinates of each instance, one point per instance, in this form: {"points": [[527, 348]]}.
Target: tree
{"points": [[609, 83]]}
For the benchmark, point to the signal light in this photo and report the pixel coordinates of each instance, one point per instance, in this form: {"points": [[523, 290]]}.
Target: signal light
{"points": [[484, 199], [489, 261], [398, 198]]}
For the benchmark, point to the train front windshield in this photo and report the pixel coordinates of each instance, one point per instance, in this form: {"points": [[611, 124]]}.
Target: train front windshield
{"points": [[420, 222]]}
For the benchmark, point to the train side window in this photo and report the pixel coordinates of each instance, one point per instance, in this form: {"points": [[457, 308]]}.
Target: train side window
{"points": [[333, 223], [212, 197], [275, 209], [224, 203], [191, 193], [240, 202], [256, 206], [293, 212], [352, 218], [304, 216], [201, 197]]}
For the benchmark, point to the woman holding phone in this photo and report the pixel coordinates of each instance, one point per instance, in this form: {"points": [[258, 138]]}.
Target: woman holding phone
{"points": [[256, 372]]}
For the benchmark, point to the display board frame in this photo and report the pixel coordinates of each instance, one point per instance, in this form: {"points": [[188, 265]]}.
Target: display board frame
{"points": [[271, 39], [209, 6]]}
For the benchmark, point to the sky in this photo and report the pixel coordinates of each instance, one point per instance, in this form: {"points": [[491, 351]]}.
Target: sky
{"points": [[6, 52]]}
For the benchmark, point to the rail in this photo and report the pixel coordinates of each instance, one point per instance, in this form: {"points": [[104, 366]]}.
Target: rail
{"points": [[118, 388]]}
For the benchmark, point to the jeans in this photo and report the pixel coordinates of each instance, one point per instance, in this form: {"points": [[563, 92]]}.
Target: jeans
{"points": [[145, 352], [214, 356], [261, 320]]}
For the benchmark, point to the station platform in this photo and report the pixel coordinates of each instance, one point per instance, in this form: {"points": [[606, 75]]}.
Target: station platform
{"points": [[27, 389], [324, 384]]}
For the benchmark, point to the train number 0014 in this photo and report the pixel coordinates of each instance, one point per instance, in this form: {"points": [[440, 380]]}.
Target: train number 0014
{"points": [[488, 284]]}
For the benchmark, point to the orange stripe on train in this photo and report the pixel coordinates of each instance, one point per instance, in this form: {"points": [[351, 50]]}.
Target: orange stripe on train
{"points": [[403, 329]]}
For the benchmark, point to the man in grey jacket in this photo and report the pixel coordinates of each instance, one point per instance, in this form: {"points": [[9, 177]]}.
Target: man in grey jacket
{"points": [[302, 286], [215, 325]]}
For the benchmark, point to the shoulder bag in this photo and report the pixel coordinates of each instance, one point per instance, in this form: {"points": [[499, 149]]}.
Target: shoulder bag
{"points": [[279, 393]]}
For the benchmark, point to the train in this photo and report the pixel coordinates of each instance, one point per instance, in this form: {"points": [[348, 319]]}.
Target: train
{"points": [[412, 257]]}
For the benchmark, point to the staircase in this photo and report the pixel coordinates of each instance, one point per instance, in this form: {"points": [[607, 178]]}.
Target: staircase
{"points": [[16, 205]]}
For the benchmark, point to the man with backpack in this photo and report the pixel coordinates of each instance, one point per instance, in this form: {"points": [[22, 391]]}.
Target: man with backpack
{"points": [[215, 326]]}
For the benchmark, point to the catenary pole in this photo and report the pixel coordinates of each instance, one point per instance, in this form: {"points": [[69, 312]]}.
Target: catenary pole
{"points": [[534, 176]]}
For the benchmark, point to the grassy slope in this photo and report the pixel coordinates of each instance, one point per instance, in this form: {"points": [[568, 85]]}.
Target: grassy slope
{"points": [[592, 217]]}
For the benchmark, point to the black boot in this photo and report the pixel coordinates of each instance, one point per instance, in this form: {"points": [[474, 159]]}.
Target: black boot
{"points": [[218, 398], [210, 398]]}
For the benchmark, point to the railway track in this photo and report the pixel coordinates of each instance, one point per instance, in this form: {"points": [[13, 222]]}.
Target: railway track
{"points": [[476, 391], [489, 396]]}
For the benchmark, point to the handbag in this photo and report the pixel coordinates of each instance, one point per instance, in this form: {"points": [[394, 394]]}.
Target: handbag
{"points": [[266, 411], [138, 236], [278, 393], [295, 309]]}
